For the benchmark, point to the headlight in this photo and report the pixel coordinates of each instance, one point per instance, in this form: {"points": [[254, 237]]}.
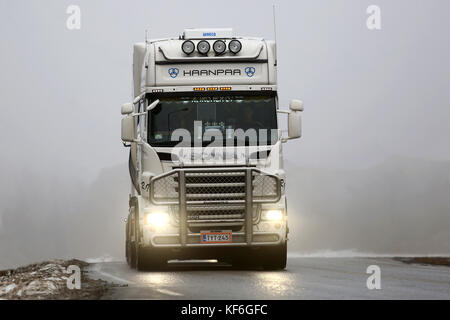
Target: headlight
{"points": [[157, 219], [272, 215], [188, 47], [219, 47], [235, 46], [203, 47]]}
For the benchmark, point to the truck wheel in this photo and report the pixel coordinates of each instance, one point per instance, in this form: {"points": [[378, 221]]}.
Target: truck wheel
{"points": [[129, 249], [131, 254], [148, 259], [275, 258]]}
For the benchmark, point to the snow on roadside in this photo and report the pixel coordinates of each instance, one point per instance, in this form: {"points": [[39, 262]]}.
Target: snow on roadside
{"points": [[354, 254], [48, 280], [103, 258]]}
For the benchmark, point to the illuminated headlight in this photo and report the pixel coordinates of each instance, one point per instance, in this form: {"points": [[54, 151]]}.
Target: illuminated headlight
{"points": [[157, 219], [272, 215], [203, 47], [219, 47], [188, 47], [235, 46]]}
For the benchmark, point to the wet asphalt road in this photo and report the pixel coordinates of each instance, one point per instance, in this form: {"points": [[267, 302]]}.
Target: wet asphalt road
{"points": [[304, 278]]}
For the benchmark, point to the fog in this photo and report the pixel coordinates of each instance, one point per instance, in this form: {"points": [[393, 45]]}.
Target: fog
{"points": [[371, 173]]}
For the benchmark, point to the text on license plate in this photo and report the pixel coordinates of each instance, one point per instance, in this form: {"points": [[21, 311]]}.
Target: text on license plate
{"points": [[215, 237]]}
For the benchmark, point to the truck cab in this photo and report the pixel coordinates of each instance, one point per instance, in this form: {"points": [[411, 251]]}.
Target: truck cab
{"points": [[206, 160]]}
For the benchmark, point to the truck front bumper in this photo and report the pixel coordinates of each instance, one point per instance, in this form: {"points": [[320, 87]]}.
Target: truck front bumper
{"points": [[264, 234]]}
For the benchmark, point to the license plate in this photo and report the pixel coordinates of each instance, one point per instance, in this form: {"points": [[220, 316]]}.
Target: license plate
{"points": [[215, 237]]}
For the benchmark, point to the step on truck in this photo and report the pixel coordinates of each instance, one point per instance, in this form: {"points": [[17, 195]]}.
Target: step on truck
{"points": [[206, 156]]}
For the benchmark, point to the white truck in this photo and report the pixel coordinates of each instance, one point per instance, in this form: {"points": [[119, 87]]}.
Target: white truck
{"points": [[206, 161]]}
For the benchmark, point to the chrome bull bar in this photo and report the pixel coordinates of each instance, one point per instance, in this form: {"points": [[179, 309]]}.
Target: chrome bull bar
{"points": [[220, 187]]}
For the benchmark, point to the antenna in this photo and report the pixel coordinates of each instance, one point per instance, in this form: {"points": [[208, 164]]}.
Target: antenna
{"points": [[146, 34], [275, 33], [274, 24]]}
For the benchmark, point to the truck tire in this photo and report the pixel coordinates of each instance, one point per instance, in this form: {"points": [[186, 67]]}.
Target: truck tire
{"points": [[131, 254], [129, 248], [275, 258], [148, 259]]}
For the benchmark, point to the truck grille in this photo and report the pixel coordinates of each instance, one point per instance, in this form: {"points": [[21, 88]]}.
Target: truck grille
{"points": [[214, 186], [214, 195]]}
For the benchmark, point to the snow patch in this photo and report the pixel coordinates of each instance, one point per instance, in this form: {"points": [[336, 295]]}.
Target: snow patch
{"points": [[7, 289], [40, 287], [47, 280], [103, 258]]}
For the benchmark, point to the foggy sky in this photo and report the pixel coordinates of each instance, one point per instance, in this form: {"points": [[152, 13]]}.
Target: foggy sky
{"points": [[369, 95]]}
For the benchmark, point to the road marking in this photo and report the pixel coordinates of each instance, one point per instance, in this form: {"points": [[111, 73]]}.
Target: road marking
{"points": [[169, 292]]}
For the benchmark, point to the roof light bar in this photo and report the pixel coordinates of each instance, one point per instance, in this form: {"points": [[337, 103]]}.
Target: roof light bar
{"points": [[188, 47], [203, 47], [235, 46], [219, 47]]}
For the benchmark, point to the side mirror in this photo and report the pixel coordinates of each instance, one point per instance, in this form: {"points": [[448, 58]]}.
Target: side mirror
{"points": [[294, 125], [127, 108], [296, 105], [153, 105], [128, 129], [294, 119]]}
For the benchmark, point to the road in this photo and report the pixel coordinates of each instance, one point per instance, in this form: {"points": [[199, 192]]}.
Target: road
{"points": [[304, 278]]}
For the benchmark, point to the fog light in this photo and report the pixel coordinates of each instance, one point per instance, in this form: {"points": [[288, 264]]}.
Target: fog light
{"points": [[188, 47], [203, 47], [235, 46], [219, 47], [157, 219], [272, 215]]}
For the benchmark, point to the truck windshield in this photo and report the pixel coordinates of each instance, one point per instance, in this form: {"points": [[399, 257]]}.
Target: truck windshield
{"points": [[219, 115]]}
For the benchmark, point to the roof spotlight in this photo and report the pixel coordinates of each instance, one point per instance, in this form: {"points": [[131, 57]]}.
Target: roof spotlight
{"points": [[203, 47], [235, 46], [188, 47], [219, 47]]}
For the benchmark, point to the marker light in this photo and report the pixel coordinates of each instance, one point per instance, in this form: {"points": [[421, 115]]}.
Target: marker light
{"points": [[188, 47], [203, 47], [235, 46], [272, 215], [219, 47], [157, 219]]}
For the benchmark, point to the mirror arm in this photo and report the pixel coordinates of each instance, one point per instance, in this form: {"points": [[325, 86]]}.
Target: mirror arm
{"points": [[284, 140], [150, 107], [127, 145]]}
